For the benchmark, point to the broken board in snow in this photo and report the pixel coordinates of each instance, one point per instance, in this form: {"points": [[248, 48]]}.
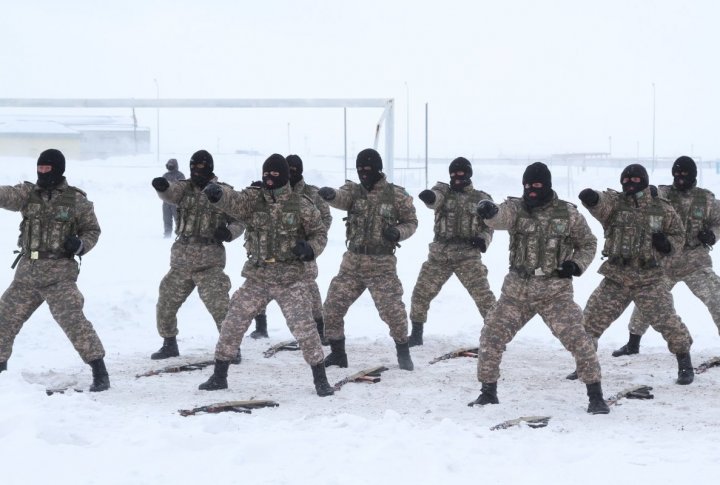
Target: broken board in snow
{"points": [[245, 407]]}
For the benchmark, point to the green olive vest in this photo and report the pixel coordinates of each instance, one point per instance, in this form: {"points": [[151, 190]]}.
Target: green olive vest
{"points": [[693, 214], [198, 217], [272, 233], [367, 219], [47, 223], [456, 220]]}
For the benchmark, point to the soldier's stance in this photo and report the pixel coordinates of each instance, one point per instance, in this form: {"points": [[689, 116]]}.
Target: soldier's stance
{"points": [[550, 242], [283, 230], [700, 212], [380, 215], [460, 238], [641, 230], [197, 257], [170, 210], [58, 224]]}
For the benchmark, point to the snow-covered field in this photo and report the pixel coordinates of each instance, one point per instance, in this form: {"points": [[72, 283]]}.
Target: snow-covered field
{"points": [[412, 427]]}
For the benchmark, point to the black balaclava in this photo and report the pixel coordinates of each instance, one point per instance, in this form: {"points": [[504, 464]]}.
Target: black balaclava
{"points": [[535, 197], [296, 169], [275, 163], [458, 182], [634, 170], [56, 160], [171, 165], [369, 158], [687, 165], [201, 168]]}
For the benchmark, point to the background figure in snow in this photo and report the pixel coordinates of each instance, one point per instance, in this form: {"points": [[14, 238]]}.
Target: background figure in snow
{"points": [[197, 257], [550, 242], [170, 210], [380, 215], [283, 231], [460, 239], [641, 230], [298, 184], [58, 224]]}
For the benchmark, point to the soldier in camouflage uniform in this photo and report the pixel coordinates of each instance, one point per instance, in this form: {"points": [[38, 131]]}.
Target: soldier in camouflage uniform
{"points": [[299, 185], [197, 257], [550, 242], [700, 212], [283, 231], [58, 224], [170, 210], [641, 229], [460, 238], [380, 215]]}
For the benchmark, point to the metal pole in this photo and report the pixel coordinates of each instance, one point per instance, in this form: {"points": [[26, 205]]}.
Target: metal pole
{"points": [[426, 145], [157, 116], [345, 141], [653, 134], [407, 121]]}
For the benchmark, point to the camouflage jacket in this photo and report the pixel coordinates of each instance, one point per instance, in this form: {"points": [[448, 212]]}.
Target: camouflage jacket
{"points": [[629, 223], [369, 213], [50, 216], [456, 219], [542, 238], [312, 192]]}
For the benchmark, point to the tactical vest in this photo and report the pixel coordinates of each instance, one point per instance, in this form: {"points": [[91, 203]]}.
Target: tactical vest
{"points": [[272, 233], [693, 214], [456, 220], [628, 232], [366, 220], [540, 240], [47, 223], [198, 217]]}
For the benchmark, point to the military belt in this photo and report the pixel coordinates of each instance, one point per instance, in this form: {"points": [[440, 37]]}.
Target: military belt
{"points": [[638, 263], [197, 240], [536, 273], [371, 250], [452, 240], [47, 255]]}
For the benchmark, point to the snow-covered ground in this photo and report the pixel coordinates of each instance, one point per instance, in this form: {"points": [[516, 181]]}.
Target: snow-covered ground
{"points": [[412, 427]]}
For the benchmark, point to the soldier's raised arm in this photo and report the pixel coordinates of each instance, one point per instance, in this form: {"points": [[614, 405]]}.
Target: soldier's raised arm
{"points": [[502, 217], [341, 198], [599, 204], [434, 197], [14, 197], [170, 192], [237, 204]]}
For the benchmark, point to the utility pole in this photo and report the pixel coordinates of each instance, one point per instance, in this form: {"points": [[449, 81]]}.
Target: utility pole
{"points": [[157, 117]]}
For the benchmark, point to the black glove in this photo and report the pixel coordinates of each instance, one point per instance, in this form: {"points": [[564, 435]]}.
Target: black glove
{"points": [[160, 184], [478, 242], [257, 183], [487, 209], [391, 234], [73, 245], [568, 269], [707, 237], [661, 243], [213, 192], [222, 233], [589, 197], [427, 196], [327, 193], [303, 251]]}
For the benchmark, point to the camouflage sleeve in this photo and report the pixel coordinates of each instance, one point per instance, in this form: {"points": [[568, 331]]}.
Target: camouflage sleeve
{"points": [[316, 233], [236, 228], [673, 228], [14, 198], [713, 220], [407, 218], [238, 204], [602, 210], [173, 194], [324, 209], [485, 231], [440, 189], [584, 241], [88, 228], [343, 197], [505, 218]]}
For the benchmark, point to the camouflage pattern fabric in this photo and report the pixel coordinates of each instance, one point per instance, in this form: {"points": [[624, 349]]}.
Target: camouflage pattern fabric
{"points": [[693, 266], [524, 295], [50, 280], [448, 255], [377, 273]]}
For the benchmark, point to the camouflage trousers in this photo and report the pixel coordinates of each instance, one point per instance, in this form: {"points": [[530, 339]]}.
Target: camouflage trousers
{"points": [[610, 299], [311, 289], [213, 287], [253, 296], [54, 282], [359, 272], [703, 283], [520, 300], [437, 270]]}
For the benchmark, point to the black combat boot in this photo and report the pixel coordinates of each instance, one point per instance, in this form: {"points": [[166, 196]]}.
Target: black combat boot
{"points": [[686, 374], [3, 366], [321, 331], [237, 359], [337, 354], [416, 334], [101, 380], [488, 395], [572, 376], [218, 380], [597, 402], [322, 387], [169, 349], [260, 327], [630, 348], [403, 355]]}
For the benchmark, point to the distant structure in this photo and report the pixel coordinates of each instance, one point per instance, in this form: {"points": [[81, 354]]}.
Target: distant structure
{"points": [[78, 137]]}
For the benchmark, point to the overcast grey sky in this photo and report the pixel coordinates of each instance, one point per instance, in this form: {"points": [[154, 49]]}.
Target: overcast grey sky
{"points": [[513, 77]]}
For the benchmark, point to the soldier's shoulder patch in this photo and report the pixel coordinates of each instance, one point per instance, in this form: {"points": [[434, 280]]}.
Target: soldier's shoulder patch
{"points": [[311, 188], [570, 204], [400, 190], [76, 190], [308, 199]]}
